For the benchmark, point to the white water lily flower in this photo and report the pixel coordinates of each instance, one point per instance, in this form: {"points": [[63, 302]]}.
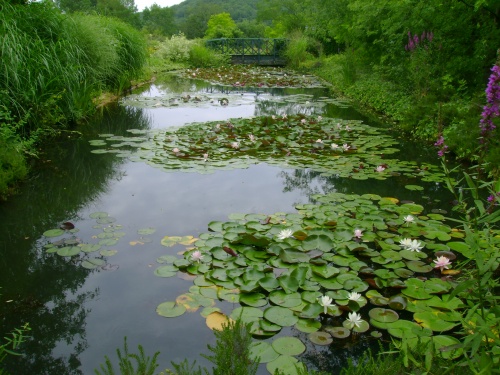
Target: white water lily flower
{"points": [[346, 147], [409, 219], [416, 246], [235, 145], [335, 146], [303, 121], [358, 233], [354, 320], [196, 256], [405, 243], [326, 302], [176, 150], [380, 168], [354, 296], [252, 137], [319, 141], [205, 157], [285, 233], [320, 118]]}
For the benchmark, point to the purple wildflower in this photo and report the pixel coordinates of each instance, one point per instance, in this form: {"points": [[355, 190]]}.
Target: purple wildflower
{"points": [[491, 110], [491, 198]]}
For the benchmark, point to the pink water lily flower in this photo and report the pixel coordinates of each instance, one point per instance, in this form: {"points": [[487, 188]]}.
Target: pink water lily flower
{"points": [[380, 168], [176, 150], [442, 263], [197, 256], [358, 233]]}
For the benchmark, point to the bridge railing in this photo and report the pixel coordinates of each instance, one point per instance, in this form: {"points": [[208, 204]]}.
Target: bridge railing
{"points": [[251, 50]]}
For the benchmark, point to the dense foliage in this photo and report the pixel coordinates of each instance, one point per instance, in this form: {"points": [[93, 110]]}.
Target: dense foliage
{"points": [[424, 64], [52, 67]]}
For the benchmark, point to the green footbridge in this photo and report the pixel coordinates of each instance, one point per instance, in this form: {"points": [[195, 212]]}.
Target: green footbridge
{"points": [[256, 51]]}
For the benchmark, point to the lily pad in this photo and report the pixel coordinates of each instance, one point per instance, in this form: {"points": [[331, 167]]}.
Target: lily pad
{"points": [[263, 351], [170, 309], [320, 338], [54, 232], [288, 345], [280, 316]]}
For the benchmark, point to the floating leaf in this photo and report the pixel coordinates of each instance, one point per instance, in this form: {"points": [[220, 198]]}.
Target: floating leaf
{"points": [[320, 338], [146, 231], [170, 309], [288, 345], [281, 316], [286, 364], [217, 321], [263, 351], [53, 233]]}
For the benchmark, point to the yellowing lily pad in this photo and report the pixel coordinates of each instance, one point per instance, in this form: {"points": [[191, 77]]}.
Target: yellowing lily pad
{"points": [[217, 321]]}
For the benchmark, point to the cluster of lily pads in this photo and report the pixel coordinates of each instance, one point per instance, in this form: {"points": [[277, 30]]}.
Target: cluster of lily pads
{"points": [[87, 254], [253, 76], [348, 265], [333, 147]]}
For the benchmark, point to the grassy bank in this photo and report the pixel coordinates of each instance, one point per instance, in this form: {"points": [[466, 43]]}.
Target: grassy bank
{"points": [[53, 67]]}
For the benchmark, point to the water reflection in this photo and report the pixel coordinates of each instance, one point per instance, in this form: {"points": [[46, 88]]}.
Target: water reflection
{"points": [[78, 315]]}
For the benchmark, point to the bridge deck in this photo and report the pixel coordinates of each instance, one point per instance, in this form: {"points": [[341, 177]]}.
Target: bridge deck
{"points": [[251, 50]]}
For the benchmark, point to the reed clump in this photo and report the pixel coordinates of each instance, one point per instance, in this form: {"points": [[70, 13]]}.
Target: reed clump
{"points": [[52, 67]]}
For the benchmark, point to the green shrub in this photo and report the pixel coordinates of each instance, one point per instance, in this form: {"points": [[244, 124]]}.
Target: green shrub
{"points": [[176, 49], [201, 56]]}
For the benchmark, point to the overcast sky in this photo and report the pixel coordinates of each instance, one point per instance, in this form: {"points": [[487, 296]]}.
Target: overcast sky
{"points": [[141, 4]]}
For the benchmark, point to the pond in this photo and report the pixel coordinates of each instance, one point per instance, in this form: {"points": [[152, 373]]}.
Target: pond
{"points": [[125, 204]]}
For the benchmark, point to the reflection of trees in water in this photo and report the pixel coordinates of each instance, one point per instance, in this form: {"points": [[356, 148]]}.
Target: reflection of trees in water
{"points": [[311, 182], [278, 108], [44, 286]]}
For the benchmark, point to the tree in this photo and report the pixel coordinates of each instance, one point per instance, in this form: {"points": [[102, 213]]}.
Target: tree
{"points": [[159, 20], [222, 26], [195, 25]]}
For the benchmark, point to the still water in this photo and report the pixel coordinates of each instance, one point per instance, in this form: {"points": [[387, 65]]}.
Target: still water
{"points": [[79, 315]]}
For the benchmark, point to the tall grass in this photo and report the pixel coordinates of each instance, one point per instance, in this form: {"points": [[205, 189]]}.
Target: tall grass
{"points": [[53, 65]]}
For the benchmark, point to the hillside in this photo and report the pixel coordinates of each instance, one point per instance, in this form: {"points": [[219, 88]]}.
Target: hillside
{"points": [[239, 10]]}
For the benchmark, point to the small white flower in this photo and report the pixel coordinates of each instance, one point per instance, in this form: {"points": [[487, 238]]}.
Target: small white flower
{"points": [[380, 168], [284, 117], [415, 246], [409, 219], [196, 256], [346, 147], [326, 302], [285, 233], [335, 146], [235, 145], [347, 128], [252, 137], [205, 157], [319, 141], [303, 121], [354, 320], [354, 296], [273, 117], [320, 118], [358, 233], [176, 150]]}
